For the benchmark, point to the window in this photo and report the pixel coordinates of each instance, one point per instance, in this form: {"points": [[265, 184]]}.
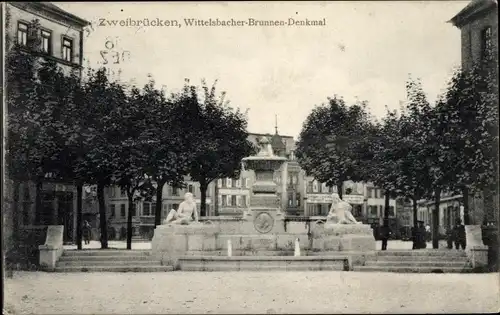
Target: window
{"points": [[391, 211], [381, 210], [67, 49], [244, 201], [309, 186], [175, 191], [229, 182], [315, 186], [290, 199], [238, 201], [191, 189], [122, 210], [486, 43], [175, 206], [146, 208], [297, 199], [238, 183], [46, 37], [245, 182], [112, 191], [123, 193], [112, 209], [373, 211], [233, 201], [224, 200], [22, 33]]}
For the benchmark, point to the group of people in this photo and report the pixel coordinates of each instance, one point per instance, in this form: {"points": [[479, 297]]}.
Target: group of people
{"points": [[419, 236], [456, 235]]}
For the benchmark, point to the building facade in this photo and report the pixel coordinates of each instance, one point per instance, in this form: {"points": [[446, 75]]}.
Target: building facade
{"points": [[60, 36], [478, 24]]}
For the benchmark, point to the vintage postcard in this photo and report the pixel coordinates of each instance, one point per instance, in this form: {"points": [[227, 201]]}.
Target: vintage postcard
{"points": [[264, 157]]}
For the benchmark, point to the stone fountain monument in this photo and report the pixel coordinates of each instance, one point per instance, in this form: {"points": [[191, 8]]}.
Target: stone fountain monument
{"points": [[262, 230]]}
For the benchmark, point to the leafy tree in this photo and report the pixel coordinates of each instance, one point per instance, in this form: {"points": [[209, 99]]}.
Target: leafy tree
{"points": [[169, 154], [468, 120], [333, 143], [101, 99], [413, 167], [218, 137], [129, 157]]}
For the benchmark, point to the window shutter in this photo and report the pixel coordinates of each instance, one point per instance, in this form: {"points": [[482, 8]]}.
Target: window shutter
{"points": [[219, 183], [315, 186], [238, 183], [238, 201], [229, 182], [228, 200], [246, 182], [219, 200], [324, 188]]}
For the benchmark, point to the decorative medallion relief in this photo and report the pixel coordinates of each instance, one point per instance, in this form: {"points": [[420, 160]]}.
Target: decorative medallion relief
{"points": [[263, 222]]}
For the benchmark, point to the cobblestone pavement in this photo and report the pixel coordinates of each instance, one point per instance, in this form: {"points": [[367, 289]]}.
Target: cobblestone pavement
{"points": [[250, 292]]}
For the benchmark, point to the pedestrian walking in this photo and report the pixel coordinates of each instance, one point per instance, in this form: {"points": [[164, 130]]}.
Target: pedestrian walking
{"points": [[87, 232], [459, 235]]}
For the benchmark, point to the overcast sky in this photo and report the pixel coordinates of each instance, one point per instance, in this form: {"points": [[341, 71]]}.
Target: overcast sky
{"points": [[366, 51]]}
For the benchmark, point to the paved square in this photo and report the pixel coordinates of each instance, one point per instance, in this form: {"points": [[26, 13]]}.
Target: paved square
{"points": [[250, 292]]}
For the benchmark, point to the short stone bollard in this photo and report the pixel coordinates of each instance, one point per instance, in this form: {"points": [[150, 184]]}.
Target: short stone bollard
{"points": [[297, 248], [229, 248]]}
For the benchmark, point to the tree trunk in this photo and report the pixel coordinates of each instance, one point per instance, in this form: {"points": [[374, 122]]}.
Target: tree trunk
{"points": [[216, 198], [15, 211], [435, 219], [415, 211], [159, 199], [38, 202], [102, 216], [79, 214], [386, 208], [465, 197], [203, 191], [131, 207], [339, 188]]}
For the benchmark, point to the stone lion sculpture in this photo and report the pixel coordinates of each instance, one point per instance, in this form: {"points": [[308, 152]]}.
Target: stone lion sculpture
{"points": [[340, 212]]}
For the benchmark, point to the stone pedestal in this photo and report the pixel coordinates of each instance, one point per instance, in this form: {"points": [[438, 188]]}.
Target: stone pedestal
{"points": [[171, 241], [342, 237]]}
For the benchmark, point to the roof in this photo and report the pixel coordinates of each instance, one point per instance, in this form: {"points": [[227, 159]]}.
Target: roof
{"points": [[277, 142], [49, 7], [474, 7]]}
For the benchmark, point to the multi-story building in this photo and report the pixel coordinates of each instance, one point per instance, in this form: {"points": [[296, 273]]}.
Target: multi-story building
{"points": [[60, 35], [478, 24]]}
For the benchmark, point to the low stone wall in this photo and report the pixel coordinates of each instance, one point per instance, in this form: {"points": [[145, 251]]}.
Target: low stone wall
{"points": [[51, 251]]}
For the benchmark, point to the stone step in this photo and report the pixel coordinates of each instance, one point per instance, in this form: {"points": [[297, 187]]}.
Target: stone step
{"points": [[107, 252], [418, 258], [217, 267], [92, 263], [87, 258], [112, 268], [410, 269], [449, 263], [264, 263], [422, 252]]}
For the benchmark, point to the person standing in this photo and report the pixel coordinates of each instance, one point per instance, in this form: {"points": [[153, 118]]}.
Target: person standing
{"points": [[459, 233], [87, 231], [385, 234], [421, 235]]}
